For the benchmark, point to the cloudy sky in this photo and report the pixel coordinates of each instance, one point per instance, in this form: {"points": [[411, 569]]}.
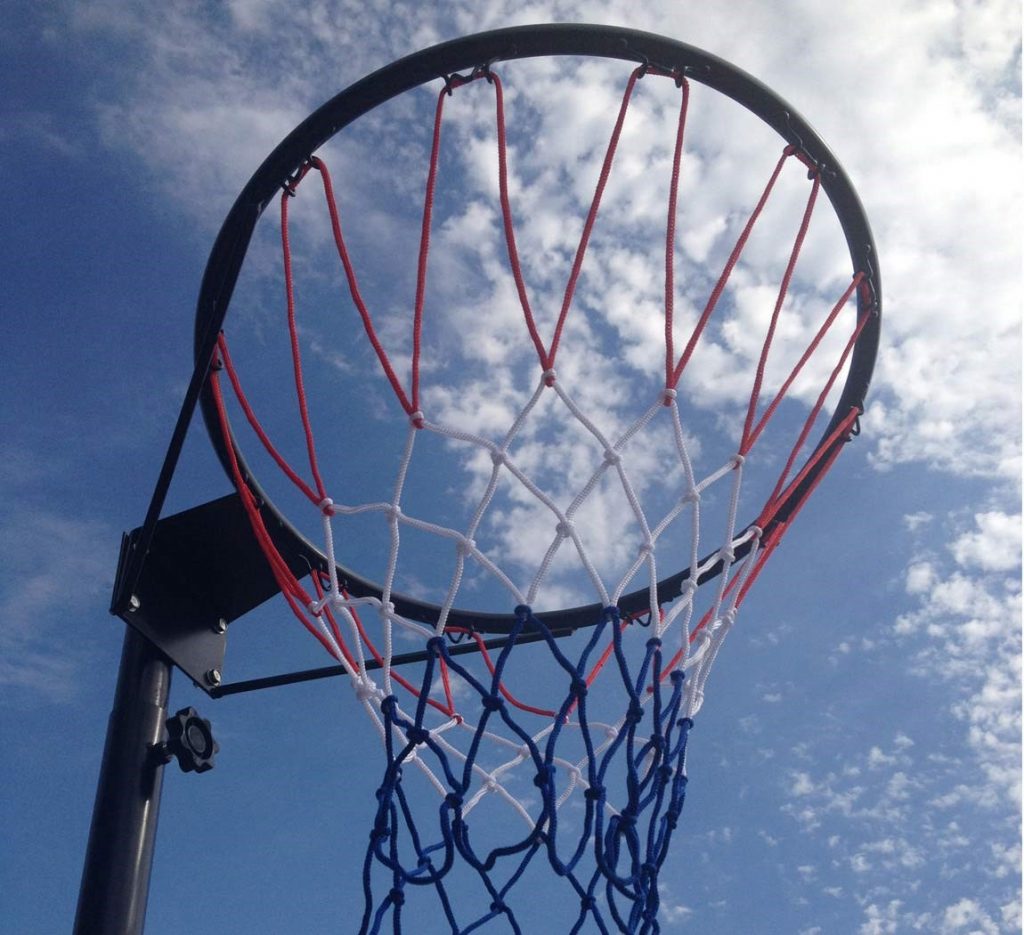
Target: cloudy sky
{"points": [[856, 764]]}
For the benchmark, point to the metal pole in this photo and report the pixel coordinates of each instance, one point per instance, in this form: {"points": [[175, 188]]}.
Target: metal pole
{"points": [[119, 857]]}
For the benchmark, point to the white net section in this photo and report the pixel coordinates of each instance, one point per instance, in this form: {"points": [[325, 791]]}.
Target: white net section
{"points": [[686, 509]]}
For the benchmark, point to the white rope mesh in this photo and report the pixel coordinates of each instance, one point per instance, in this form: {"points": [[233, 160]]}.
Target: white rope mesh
{"points": [[697, 660]]}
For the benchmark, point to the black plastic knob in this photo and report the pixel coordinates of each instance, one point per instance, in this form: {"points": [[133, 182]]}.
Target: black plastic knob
{"points": [[190, 741]]}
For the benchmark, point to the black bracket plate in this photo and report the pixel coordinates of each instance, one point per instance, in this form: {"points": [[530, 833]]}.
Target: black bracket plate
{"points": [[203, 570]]}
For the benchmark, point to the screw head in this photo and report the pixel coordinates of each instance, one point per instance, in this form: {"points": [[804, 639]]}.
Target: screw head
{"points": [[221, 626], [134, 603], [213, 677]]}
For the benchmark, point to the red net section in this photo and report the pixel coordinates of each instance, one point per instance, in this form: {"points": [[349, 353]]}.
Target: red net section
{"points": [[443, 719]]}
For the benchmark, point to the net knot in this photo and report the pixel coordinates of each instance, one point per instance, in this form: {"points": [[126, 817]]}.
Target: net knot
{"points": [[738, 460], [498, 457], [649, 870], [594, 793], [492, 702], [491, 784], [396, 896], [587, 903], [727, 555], [393, 512], [417, 735], [654, 642], [668, 396], [545, 776], [498, 906], [634, 712], [326, 506], [657, 742], [566, 528], [612, 457], [645, 548], [365, 689], [466, 546], [626, 820], [453, 800], [435, 645], [578, 687], [691, 496], [550, 376], [416, 419]]}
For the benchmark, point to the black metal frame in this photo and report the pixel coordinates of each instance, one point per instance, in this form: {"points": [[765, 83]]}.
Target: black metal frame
{"points": [[172, 585]]}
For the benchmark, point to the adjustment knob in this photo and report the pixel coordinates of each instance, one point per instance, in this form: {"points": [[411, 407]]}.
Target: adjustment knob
{"points": [[190, 741]]}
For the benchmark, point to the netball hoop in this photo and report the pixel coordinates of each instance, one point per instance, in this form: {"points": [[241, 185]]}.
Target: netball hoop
{"points": [[565, 325]]}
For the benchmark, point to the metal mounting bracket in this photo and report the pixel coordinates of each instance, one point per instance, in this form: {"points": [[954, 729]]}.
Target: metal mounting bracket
{"points": [[203, 570]]}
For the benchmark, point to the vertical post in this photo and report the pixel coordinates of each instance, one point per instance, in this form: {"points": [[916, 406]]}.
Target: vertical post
{"points": [[119, 857]]}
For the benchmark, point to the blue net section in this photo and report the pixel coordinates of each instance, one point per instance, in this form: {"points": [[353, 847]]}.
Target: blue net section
{"points": [[610, 856]]}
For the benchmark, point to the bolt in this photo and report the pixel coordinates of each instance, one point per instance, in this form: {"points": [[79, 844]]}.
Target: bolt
{"points": [[213, 677], [221, 626], [134, 603]]}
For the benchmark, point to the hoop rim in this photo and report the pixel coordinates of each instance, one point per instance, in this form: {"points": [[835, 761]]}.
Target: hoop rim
{"points": [[439, 62]]}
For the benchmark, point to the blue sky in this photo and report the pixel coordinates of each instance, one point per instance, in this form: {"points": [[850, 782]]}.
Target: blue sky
{"points": [[856, 764]]}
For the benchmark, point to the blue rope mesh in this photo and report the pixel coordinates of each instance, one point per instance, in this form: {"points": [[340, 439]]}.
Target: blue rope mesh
{"points": [[611, 863]]}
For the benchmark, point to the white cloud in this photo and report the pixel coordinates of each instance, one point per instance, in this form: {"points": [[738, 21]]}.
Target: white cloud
{"points": [[914, 521], [967, 916], [923, 813], [859, 863], [670, 910], [1011, 914], [920, 577], [54, 573], [802, 784], [877, 759], [973, 629], [994, 546]]}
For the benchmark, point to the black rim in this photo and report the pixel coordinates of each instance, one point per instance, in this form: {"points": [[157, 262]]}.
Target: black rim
{"points": [[460, 55]]}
